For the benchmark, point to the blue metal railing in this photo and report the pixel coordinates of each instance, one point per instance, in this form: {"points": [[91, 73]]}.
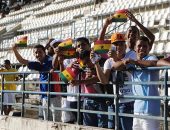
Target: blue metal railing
{"points": [[165, 98]]}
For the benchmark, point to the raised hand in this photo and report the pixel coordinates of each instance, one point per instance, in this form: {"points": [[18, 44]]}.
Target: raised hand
{"points": [[94, 57], [131, 16], [108, 21], [14, 46]]}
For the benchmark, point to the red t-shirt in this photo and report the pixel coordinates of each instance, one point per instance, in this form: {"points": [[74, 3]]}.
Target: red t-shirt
{"points": [[55, 77]]}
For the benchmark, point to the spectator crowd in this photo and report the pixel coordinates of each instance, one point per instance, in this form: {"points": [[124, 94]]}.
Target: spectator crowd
{"points": [[85, 70]]}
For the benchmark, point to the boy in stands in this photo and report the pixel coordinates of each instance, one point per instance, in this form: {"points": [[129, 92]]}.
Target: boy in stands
{"points": [[42, 63], [144, 107]]}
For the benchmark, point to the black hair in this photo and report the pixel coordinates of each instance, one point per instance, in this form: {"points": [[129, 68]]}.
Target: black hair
{"points": [[144, 38], [7, 62], [83, 39], [39, 46], [136, 28]]}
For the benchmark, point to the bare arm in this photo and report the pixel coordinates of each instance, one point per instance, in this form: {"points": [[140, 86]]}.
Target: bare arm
{"points": [[91, 80], [146, 63], [119, 65], [103, 76], [142, 63], [48, 43], [55, 62], [18, 56], [163, 62], [58, 59], [103, 31], [147, 32]]}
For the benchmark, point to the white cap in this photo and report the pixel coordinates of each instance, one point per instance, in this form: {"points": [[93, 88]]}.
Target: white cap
{"points": [[55, 41]]}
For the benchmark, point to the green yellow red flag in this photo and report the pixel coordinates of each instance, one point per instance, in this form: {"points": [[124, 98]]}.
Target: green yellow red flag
{"points": [[22, 41], [66, 44], [68, 74], [120, 16], [102, 46]]}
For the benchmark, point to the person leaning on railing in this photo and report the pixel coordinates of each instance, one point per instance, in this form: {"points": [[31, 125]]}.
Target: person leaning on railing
{"points": [[81, 44], [163, 62], [125, 105], [89, 84], [42, 63], [144, 107]]}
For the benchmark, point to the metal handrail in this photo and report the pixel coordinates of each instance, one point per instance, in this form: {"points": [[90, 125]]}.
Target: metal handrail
{"points": [[116, 97]]}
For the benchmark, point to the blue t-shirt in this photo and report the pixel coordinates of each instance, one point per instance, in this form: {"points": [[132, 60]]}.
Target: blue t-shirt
{"points": [[151, 107], [45, 66]]}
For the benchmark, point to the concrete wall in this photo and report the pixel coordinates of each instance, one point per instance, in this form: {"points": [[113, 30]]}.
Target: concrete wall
{"points": [[18, 123]]}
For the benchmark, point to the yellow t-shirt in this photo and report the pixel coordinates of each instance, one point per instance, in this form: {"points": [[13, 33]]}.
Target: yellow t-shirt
{"points": [[9, 77]]}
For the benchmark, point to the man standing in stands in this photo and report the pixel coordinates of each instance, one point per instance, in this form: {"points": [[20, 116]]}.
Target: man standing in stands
{"points": [[9, 97], [125, 105], [144, 107], [43, 63], [50, 46], [89, 84], [133, 33], [82, 44]]}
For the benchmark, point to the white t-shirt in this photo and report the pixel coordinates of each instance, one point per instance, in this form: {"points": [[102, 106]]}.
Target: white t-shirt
{"points": [[126, 89], [70, 88]]}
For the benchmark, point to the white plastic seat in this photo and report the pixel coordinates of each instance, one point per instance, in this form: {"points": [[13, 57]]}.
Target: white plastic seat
{"points": [[157, 37], [152, 51], [167, 47], [160, 48], [164, 36]]}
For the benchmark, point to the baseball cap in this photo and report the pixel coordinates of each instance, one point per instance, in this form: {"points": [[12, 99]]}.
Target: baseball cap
{"points": [[117, 37], [55, 42]]}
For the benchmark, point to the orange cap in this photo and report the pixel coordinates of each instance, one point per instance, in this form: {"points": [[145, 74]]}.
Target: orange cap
{"points": [[117, 37]]}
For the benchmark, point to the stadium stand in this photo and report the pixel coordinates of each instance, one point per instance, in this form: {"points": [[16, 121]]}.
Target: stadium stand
{"points": [[62, 19]]}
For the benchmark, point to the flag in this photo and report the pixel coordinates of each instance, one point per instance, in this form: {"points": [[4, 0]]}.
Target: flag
{"points": [[102, 46], [81, 64], [70, 53], [120, 16], [22, 42], [67, 44], [68, 74]]}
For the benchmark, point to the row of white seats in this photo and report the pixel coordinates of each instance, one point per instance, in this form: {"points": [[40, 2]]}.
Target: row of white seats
{"points": [[109, 8], [63, 5], [15, 18], [90, 29], [22, 13], [33, 22], [138, 4], [23, 69], [164, 36], [28, 8], [30, 76], [160, 48]]}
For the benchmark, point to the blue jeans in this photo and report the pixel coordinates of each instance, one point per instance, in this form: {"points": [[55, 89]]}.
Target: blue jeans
{"points": [[97, 120], [111, 119], [126, 123]]}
